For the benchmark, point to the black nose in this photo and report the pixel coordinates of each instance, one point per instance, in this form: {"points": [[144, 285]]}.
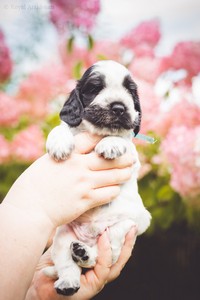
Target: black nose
{"points": [[118, 109]]}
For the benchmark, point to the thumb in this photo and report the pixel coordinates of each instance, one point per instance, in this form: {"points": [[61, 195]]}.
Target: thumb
{"points": [[85, 142], [45, 260]]}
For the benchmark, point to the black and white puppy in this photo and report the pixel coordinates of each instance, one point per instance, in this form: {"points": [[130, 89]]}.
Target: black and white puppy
{"points": [[104, 102]]}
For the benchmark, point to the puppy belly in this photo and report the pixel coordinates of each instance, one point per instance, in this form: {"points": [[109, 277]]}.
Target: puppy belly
{"points": [[88, 232]]}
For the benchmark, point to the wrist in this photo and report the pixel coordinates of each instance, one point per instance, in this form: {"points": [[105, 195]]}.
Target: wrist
{"points": [[25, 200], [35, 222], [25, 236]]}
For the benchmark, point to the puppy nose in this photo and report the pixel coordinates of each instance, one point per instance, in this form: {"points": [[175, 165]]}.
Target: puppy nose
{"points": [[118, 108]]}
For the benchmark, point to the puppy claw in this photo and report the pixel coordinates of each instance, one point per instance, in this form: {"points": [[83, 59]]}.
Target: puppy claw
{"points": [[60, 154]]}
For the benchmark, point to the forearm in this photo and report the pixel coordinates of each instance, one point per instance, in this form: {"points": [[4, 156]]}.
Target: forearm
{"points": [[23, 238]]}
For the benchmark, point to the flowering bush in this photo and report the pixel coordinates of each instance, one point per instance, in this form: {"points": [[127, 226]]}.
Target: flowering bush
{"points": [[181, 147], [143, 38], [169, 90], [5, 59], [77, 13]]}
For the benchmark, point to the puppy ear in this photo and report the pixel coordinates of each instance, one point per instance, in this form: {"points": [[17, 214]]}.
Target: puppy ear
{"points": [[137, 106], [138, 109], [72, 110], [131, 86], [137, 127]]}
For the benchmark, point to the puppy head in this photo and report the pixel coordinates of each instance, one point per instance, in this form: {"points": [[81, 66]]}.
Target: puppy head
{"points": [[105, 100]]}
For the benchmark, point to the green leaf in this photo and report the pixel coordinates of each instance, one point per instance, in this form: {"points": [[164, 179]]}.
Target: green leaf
{"points": [[90, 42], [165, 193], [77, 70], [70, 44], [101, 56]]}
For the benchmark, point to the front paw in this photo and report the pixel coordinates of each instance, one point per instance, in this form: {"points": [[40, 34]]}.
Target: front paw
{"points": [[111, 147], [60, 143]]}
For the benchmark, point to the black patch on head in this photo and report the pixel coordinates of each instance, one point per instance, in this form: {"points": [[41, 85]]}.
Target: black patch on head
{"points": [[86, 90], [106, 118], [131, 87], [90, 85]]}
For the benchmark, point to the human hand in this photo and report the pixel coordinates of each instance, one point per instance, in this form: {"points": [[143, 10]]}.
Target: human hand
{"points": [[61, 191], [93, 281]]}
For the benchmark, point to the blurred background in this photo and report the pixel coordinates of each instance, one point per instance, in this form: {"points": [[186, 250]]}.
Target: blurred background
{"points": [[45, 46]]}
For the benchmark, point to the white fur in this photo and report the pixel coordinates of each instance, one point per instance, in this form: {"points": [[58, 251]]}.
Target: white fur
{"points": [[114, 75], [60, 142], [119, 216]]}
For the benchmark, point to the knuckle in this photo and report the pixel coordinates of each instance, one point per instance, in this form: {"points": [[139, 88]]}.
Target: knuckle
{"points": [[117, 273], [115, 192], [128, 159], [126, 174]]}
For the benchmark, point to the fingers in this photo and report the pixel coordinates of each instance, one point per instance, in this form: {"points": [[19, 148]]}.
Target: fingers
{"points": [[111, 177], [103, 195], [85, 143], [98, 276], [125, 254], [104, 262], [97, 163], [105, 186], [45, 260]]}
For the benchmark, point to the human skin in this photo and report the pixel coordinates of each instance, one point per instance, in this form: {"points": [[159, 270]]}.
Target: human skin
{"points": [[93, 281], [49, 194]]}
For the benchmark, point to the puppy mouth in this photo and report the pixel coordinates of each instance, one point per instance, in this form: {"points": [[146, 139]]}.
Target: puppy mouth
{"points": [[106, 118]]}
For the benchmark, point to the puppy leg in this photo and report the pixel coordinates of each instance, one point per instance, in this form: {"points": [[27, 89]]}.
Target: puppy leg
{"points": [[117, 235], [111, 147], [84, 255], [60, 142], [67, 270]]}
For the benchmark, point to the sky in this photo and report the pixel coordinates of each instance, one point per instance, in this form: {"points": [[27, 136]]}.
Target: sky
{"points": [[180, 19]]}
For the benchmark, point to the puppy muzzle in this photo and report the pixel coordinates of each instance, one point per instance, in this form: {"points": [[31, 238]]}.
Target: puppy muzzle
{"points": [[114, 117]]}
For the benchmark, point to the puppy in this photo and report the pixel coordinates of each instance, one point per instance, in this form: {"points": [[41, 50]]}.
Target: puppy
{"points": [[104, 102]]}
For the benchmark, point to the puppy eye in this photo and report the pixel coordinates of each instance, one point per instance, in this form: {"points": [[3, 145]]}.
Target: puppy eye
{"points": [[92, 88]]}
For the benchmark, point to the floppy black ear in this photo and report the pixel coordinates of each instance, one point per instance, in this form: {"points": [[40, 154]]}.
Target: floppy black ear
{"points": [[72, 110], [131, 86], [138, 109]]}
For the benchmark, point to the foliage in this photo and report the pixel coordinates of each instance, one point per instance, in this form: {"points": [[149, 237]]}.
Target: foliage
{"points": [[169, 90]]}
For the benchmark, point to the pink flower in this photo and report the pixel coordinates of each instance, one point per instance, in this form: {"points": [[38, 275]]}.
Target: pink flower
{"points": [[4, 149], [184, 112], [186, 55], [42, 86], [143, 38], [10, 110], [5, 59], [79, 13], [28, 144], [150, 105], [146, 68], [182, 150]]}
